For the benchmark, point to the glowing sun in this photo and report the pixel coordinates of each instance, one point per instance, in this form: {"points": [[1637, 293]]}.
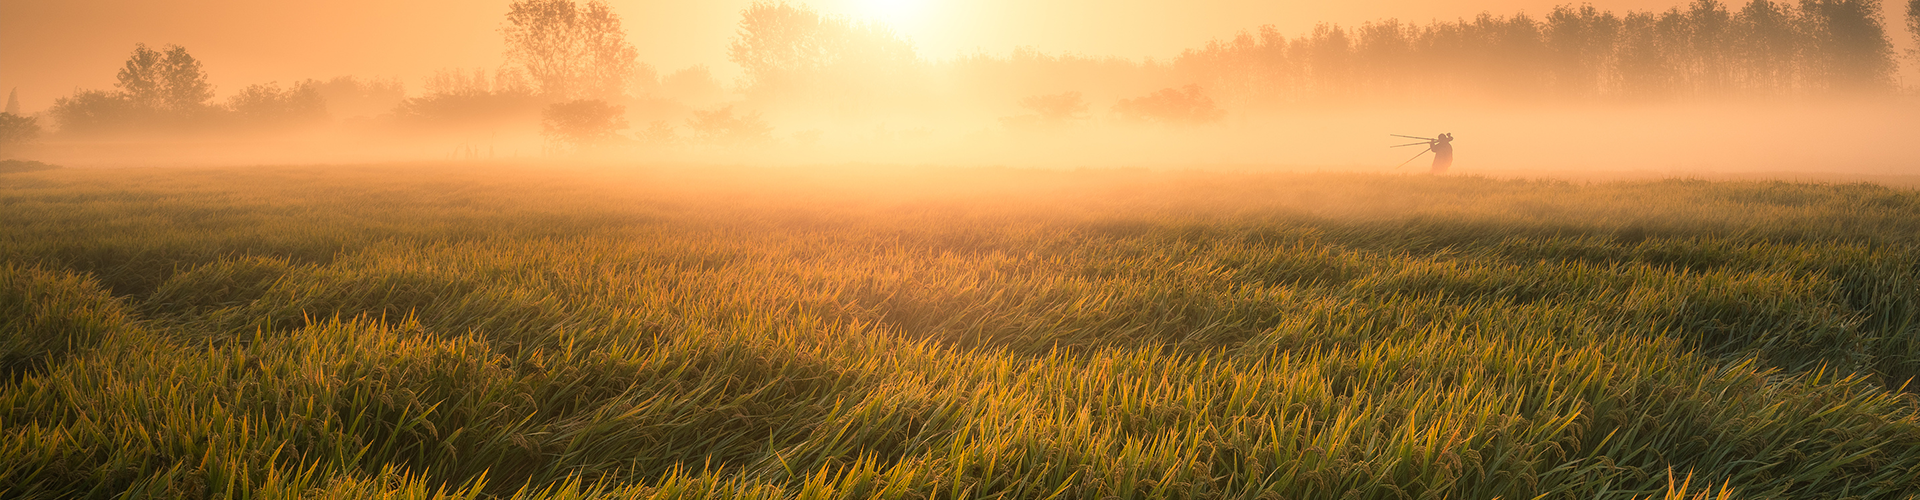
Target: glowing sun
{"points": [[901, 14]]}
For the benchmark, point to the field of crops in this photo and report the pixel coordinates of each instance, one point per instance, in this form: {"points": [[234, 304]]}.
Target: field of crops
{"points": [[531, 331]]}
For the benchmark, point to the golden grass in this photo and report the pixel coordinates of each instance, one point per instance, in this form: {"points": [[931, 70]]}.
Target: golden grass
{"points": [[528, 331]]}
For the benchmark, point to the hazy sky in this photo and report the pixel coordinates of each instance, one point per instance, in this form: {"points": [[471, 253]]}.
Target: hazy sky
{"points": [[48, 48]]}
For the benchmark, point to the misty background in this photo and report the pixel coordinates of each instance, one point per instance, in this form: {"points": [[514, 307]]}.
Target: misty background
{"points": [[1702, 87]]}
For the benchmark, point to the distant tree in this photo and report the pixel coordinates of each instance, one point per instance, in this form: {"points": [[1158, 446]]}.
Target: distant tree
{"points": [[1767, 46], [721, 127], [1710, 45], [1051, 110], [868, 46], [658, 133], [1705, 50], [787, 48], [1056, 107], [460, 98], [1184, 105], [1385, 54], [1913, 28], [17, 131], [569, 50], [170, 80], [777, 44], [694, 86], [645, 81], [583, 123], [1328, 53], [348, 96], [1582, 42], [1647, 66], [99, 111], [1848, 48], [1517, 62], [1488, 54], [1250, 69], [613, 59], [267, 105], [462, 82], [158, 90]]}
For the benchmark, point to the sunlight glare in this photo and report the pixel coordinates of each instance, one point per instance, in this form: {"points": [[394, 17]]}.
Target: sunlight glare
{"points": [[900, 14]]}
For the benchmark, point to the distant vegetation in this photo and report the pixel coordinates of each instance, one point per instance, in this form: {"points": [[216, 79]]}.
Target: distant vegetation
{"points": [[9, 166], [1188, 104], [1702, 51], [480, 330], [16, 128], [583, 123], [1913, 27], [569, 51], [805, 70], [157, 90], [166, 92], [17, 131]]}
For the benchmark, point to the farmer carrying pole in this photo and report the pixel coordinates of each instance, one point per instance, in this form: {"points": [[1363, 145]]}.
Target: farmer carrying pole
{"points": [[1441, 147], [1442, 153]]}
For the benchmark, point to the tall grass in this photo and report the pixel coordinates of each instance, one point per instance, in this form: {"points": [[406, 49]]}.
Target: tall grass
{"points": [[538, 332]]}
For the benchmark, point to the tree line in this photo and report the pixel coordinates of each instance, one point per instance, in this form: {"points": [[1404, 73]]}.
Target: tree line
{"points": [[1706, 50], [1703, 51], [569, 66], [166, 90]]}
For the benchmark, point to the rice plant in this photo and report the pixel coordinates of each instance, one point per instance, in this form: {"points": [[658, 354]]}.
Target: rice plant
{"points": [[553, 332]]}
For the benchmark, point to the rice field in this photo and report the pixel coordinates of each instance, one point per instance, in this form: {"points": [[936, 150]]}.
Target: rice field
{"points": [[526, 331]]}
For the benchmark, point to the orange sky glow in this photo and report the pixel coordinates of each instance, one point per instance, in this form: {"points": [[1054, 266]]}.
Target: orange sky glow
{"points": [[50, 48]]}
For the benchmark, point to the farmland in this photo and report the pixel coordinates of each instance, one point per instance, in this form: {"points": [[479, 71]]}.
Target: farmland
{"points": [[476, 330]]}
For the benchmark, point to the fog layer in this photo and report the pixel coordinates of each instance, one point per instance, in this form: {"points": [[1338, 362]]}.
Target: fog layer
{"points": [[1702, 88]]}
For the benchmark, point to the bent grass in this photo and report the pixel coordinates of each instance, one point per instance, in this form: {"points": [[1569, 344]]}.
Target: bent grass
{"points": [[501, 331]]}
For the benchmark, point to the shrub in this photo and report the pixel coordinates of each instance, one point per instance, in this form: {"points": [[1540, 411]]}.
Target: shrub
{"points": [[1052, 109], [1187, 105], [455, 97], [720, 127], [583, 123], [98, 111], [10, 166], [659, 133], [17, 131], [350, 97], [266, 104]]}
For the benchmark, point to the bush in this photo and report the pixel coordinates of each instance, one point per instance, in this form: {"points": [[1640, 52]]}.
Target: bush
{"points": [[658, 133], [467, 109], [583, 123], [98, 111], [720, 127], [455, 97], [1187, 105], [268, 105], [350, 97], [1049, 109], [17, 131], [10, 166]]}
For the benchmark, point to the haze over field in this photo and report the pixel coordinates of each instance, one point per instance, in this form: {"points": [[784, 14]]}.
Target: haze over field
{"points": [[1651, 86], [937, 249]]}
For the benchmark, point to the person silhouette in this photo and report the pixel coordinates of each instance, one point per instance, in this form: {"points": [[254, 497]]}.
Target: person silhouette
{"points": [[1442, 148]]}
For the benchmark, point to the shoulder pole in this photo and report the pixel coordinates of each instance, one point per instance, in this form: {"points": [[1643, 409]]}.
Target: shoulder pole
{"points": [[1415, 157]]}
